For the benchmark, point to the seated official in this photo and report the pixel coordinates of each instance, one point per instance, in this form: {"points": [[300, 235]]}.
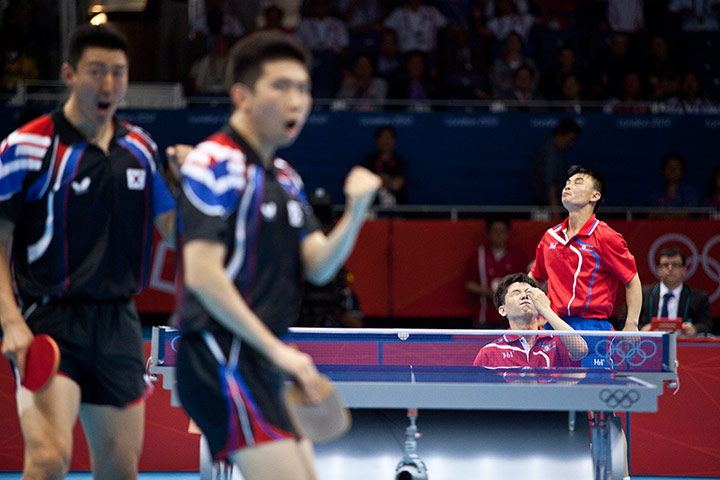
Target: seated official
{"points": [[518, 299], [671, 298]]}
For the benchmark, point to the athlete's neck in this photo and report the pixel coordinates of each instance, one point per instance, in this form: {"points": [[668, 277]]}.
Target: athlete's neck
{"points": [[98, 134], [578, 218], [242, 126]]}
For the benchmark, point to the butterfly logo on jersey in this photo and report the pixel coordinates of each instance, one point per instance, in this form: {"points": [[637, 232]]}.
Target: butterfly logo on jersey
{"points": [[269, 210], [82, 186], [295, 214], [135, 178]]}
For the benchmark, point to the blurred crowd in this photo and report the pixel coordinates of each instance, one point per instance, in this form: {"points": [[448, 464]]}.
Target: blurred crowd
{"points": [[620, 56]]}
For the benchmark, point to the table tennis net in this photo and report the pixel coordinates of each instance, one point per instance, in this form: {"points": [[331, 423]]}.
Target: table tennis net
{"points": [[556, 350]]}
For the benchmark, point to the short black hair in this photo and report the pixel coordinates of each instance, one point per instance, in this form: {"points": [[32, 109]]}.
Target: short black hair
{"points": [[566, 125], [496, 219], [674, 155], [101, 36], [249, 55], [502, 288], [382, 128], [598, 179], [670, 252]]}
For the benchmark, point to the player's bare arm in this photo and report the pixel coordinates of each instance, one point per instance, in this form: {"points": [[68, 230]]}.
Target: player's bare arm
{"points": [[16, 334], [576, 345], [205, 277], [633, 297], [324, 255]]}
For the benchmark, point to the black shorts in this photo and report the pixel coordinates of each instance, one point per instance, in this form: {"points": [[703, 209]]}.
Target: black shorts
{"points": [[101, 346], [234, 408]]}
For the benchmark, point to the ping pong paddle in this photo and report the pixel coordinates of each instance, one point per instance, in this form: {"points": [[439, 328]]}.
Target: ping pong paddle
{"points": [[42, 362], [320, 422]]}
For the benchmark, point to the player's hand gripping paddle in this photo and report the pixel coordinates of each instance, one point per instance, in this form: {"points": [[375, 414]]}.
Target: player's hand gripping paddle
{"points": [[320, 422], [42, 362]]}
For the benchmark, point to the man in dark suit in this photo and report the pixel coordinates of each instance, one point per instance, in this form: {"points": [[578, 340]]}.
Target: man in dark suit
{"points": [[671, 298]]}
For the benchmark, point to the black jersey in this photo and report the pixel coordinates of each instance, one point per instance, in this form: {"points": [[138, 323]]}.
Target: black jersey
{"points": [[83, 219], [259, 214]]}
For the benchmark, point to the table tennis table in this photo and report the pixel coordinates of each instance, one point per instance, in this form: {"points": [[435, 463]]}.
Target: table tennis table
{"points": [[397, 371]]}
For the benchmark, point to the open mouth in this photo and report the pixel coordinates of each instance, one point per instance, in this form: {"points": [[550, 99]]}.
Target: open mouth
{"points": [[103, 106], [290, 125]]}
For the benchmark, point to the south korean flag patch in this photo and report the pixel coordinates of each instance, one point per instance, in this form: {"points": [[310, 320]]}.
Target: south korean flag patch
{"points": [[135, 178]]}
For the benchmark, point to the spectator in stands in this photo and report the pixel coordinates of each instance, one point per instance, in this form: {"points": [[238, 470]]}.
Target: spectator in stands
{"points": [[492, 261], [571, 94], [613, 65], [508, 19], [322, 32], [519, 300], [207, 75], [523, 92], [327, 38], [362, 84], [17, 46], [334, 304], [675, 191], [662, 70], [389, 165], [389, 62], [630, 99], [553, 77], [361, 16], [690, 99], [218, 20], [506, 64], [416, 84], [417, 26], [274, 17], [626, 16], [696, 16], [712, 194], [548, 170], [557, 14], [463, 66], [672, 298]]}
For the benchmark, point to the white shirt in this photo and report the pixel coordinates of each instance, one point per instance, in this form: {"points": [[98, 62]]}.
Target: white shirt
{"points": [[416, 30], [625, 15], [328, 33], [673, 302]]}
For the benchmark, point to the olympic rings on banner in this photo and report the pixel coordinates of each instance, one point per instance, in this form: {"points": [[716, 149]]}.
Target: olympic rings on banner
{"points": [[618, 398], [626, 350]]}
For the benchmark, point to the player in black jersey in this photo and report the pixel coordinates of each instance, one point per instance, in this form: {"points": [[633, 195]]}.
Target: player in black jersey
{"points": [[79, 192], [249, 236]]}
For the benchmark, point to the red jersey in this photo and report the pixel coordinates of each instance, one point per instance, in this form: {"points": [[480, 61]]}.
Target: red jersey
{"points": [[489, 270], [583, 272], [513, 351]]}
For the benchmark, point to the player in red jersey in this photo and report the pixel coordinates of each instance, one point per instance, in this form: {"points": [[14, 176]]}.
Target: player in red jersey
{"points": [[583, 260], [518, 299]]}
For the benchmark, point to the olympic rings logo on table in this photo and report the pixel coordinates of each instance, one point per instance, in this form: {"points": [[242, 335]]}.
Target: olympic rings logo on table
{"points": [[626, 350], [618, 398], [711, 265]]}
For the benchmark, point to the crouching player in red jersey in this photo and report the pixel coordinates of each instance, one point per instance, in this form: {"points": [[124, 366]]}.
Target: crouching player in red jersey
{"points": [[249, 236], [518, 299]]}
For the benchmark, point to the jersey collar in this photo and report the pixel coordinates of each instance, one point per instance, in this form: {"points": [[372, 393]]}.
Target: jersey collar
{"points": [[560, 231], [69, 134], [250, 154]]}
